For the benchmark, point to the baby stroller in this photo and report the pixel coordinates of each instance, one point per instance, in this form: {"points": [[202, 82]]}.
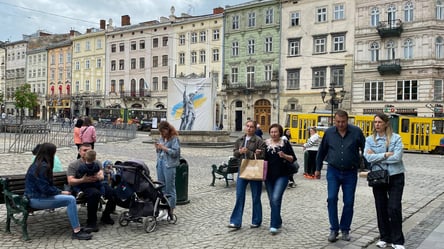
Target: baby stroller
{"points": [[142, 196]]}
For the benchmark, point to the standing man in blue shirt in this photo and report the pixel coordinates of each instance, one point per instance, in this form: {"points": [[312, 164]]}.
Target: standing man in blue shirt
{"points": [[340, 147]]}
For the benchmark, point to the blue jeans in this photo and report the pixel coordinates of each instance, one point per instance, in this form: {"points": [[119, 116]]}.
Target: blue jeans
{"points": [[57, 201], [275, 191], [241, 189], [346, 179], [167, 176]]}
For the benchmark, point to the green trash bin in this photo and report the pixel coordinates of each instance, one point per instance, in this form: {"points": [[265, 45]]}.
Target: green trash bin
{"points": [[182, 183]]}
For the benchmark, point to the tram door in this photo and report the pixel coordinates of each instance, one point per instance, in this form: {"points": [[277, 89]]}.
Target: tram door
{"points": [[419, 135], [303, 125]]}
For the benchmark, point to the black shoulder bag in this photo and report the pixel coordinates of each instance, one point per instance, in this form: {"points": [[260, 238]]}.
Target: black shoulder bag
{"points": [[378, 177]]}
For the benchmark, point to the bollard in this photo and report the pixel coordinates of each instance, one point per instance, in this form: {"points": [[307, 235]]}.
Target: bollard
{"points": [[182, 183]]}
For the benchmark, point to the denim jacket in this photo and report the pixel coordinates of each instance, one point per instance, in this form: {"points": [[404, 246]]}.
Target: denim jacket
{"points": [[172, 156], [39, 186], [393, 163]]}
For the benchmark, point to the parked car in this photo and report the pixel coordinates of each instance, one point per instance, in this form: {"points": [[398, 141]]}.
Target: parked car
{"points": [[145, 125]]}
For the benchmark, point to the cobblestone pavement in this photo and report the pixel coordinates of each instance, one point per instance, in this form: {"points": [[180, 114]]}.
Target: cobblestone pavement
{"points": [[203, 222]]}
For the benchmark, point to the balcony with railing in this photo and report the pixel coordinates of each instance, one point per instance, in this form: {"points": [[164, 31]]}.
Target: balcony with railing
{"points": [[387, 67], [135, 94], [392, 28]]}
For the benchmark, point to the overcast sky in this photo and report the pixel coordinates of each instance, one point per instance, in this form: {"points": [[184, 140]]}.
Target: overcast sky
{"points": [[59, 16]]}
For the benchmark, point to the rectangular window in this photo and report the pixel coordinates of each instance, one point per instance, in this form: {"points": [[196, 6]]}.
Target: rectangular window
{"points": [[113, 48], [182, 39], [269, 16], [215, 55], [87, 64], [438, 92], [164, 41], [373, 91], [235, 22], [268, 76], [321, 14], [77, 47], [98, 85], [60, 58], [99, 44], [142, 44], [216, 35], [181, 58], [164, 83], [250, 47], [156, 84], [142, 62], [203, 36], [234, 75], [250, 76], [193, 57], [320, 44], [339, 12], [122, 47], [113, 65], [99, 63], [269, 44], [87, 46], [202, 56], [133, 45], [295, 19], [121, 65], [338, 42], [235, 48], [133, 63], [293, 77], [87, 85], [337, 76], [407, 90], [113, 86], [294, 47], [164, 60], [155, 61], [319, 74], [194, 37], [68, 58], [251, 19], [155, 42]]}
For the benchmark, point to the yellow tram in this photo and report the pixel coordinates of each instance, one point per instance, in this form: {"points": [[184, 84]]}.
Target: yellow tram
{"points": [[418, 133]]}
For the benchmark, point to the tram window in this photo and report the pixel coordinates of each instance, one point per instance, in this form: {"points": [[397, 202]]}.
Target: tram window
{"points": [[323, 121], [294, 122], [438, 126], [405, 125]]}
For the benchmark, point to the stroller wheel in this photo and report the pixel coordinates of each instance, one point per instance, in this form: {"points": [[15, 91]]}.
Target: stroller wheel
{"points": [[124, 219], [149, 224], [172, 220]]}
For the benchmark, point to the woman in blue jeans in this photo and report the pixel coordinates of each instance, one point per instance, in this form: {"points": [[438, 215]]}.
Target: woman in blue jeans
{"points": [[42, 193], [248, 146], [279, 155]]}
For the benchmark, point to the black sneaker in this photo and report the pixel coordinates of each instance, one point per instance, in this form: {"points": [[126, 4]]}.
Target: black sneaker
{"points": [[91, 229], [107, 220], [81, 235], [333, 236]]}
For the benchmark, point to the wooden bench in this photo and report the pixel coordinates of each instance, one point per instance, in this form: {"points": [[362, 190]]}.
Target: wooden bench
{"points": [[231, 167], [12, 188]]}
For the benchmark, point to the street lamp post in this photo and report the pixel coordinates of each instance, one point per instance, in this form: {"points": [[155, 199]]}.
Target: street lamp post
{"points": [[334, 98]]}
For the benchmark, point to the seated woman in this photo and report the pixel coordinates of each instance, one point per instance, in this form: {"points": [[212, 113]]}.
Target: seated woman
{"points": [[42, 193]]}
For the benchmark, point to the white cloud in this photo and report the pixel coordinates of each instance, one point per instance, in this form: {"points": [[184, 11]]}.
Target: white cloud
{"points": [[59, 16]]}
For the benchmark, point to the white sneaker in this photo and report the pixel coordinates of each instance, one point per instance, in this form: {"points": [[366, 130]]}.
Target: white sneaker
{"points": [[381, 244], [398, 246]]}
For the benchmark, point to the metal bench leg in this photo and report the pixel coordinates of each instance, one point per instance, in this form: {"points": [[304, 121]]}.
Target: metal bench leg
{"points": [[25, 226]]}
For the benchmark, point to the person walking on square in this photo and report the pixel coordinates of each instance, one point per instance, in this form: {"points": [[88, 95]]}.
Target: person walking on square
{"points": [[77, 139], [311, 150], [287, 136], [42, 194], [279, 155], [88, 132], [248, 146], [340, 147], [384, 148], [168, 158]]}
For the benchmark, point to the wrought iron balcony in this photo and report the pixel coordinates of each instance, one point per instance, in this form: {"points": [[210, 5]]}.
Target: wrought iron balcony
{"points": [[135, 94], [389, 67], [250, 87], [391, 28]]}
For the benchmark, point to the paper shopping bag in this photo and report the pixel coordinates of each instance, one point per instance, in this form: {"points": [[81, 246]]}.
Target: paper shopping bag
{"points": [[255, 170]]}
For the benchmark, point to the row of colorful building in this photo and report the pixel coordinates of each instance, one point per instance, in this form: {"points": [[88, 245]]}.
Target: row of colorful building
{"points": [[265, 58]]}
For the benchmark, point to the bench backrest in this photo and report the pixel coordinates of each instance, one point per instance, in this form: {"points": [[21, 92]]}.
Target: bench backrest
{"points": [[16, 183]]}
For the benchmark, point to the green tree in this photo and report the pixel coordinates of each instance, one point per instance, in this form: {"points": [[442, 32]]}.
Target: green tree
{"points": [[24, 98]]}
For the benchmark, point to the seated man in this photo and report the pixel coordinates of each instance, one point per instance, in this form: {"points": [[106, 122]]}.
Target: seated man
{"points": [[89, 168], [92, 194]]}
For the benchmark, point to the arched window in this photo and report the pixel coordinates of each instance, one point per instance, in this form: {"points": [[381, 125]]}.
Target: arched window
{"points": [[374, 51], [408, 48], [439, 47], [408, 12], [391, 15], [390, 48], [374, 19]]}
